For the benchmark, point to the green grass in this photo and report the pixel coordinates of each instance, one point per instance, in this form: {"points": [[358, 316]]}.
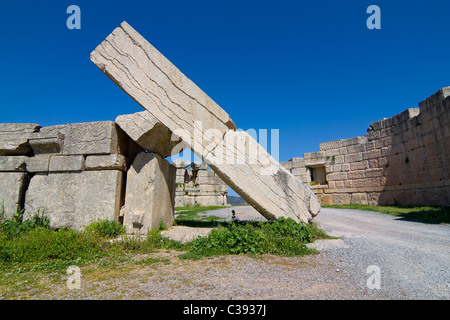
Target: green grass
{"points": [[34, 246], [431, 215], [32, 253], [106, 228], [188, 216]]}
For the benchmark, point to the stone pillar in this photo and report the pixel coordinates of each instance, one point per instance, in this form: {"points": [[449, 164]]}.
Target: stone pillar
{"points": [[150, 194]]}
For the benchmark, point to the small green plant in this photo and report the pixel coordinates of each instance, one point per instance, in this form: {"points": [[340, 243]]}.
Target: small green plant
{"points": [[406, 160], [233, 215], [16, 225], [162, 225], [106, 228], [41, 245]]}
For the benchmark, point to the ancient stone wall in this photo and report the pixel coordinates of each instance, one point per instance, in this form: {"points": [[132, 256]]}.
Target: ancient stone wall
{"points": [[82, 172], [74, 173], [402, 160], [197, 185]]}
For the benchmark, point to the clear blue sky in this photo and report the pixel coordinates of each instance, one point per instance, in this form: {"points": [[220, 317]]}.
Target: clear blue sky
{"points": [[311, 69]]}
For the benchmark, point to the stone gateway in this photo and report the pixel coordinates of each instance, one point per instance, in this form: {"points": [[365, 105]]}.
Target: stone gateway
{"points": [[170, 97]]}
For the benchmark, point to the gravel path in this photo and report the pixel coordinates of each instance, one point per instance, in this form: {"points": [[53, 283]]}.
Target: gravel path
{"points": [[412, 258]]}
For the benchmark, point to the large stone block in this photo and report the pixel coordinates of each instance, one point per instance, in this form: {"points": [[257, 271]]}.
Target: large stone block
{"points": [[75, 199], [38, 163], [149, 133], [43, 143], [103, 137], [14, 138], [14, 144], [61, 163], [18, 128], [150, 194], [106, 162], [8, 164], [12, 191]]}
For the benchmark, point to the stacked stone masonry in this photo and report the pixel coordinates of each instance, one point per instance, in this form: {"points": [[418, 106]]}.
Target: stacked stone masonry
{"points": [[403, 160], [196, 185], [74, 173], [83, 172]]}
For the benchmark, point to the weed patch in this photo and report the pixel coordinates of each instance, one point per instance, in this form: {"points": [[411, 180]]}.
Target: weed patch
{"points": [[280, 237]]}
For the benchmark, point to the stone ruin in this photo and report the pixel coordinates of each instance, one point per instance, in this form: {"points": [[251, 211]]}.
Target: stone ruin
{"points": [[84, 172], [403, 160], [196, 185], [203, 126]]}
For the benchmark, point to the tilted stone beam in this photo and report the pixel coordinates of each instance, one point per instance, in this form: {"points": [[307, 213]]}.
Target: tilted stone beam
{"points": [[163, 90]]}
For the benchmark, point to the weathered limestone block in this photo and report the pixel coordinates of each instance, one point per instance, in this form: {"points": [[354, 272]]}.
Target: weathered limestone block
{"points": [[106, 162], [18, 128], [12, 190], [199, 165], [61, 163], [358, 198], [43, 143], [149, 133], [341, 198], [14, 144], [75, 199], [8, 164], [150, 194], [160, 88], [103, 137], [38, 163], [258, 178], [14, 138]]}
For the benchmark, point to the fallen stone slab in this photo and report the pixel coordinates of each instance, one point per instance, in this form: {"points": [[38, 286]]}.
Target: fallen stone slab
{"points": [[149, 133], [160, 88], [260, 180]]}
